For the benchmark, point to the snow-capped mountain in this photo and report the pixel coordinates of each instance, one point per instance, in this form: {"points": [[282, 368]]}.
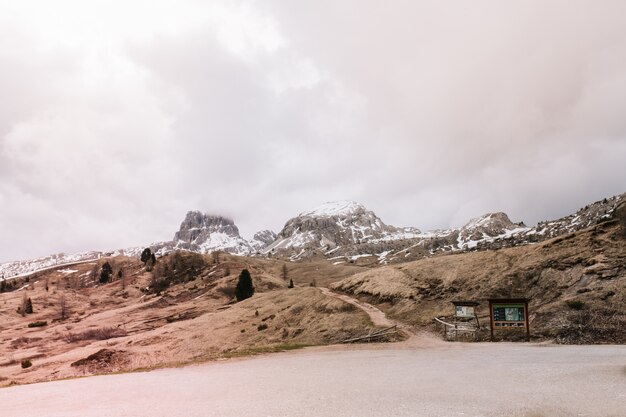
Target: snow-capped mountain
{"points": [[206, 233], [486, 228], [343, 231], [262, 239], [335, 228]]}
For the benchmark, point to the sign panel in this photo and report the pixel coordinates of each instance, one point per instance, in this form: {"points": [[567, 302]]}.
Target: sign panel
{"points": [[508, 315], [465, 311]]}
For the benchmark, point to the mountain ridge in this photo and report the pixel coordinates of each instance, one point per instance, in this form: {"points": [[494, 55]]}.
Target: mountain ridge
{"points": [[342, 231]]}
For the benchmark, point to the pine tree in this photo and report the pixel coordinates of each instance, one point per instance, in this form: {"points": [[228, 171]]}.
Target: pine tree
{"points": [[290, 284], [285, 272], [244, 288], [28, 308], [146, 255], [105, 273]]}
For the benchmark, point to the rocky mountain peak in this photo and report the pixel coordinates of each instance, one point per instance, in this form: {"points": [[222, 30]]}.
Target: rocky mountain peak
{"points": [[262, 239], [197, 225], [331, 225], [490, 224], [205, 233]]}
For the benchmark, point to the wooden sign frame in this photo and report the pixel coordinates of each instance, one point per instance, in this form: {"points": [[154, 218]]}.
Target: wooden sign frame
{"points": [[508, 323]]}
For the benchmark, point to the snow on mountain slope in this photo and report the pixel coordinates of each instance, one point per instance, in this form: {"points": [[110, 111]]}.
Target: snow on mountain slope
{"points": [[329, 226], [18, 268], [334, 209], [262, 239], [206, 233], [343, 231], [487, 228]]}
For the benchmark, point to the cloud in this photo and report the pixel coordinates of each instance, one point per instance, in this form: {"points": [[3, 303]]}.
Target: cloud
{"points": [[124, 115]]}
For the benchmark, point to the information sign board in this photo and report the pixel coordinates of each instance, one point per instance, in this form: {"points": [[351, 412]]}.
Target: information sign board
{"points": [[509, 314]]}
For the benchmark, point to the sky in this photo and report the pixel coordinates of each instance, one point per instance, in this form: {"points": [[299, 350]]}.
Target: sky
{"points": [[118, 117]]}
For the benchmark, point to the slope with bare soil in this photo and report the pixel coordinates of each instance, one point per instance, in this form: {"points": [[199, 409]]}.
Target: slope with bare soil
{"points": [[183, 311], [576, 283]]}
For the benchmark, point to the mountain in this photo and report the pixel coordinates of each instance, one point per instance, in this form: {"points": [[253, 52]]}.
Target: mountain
{"points": [[204, 233], [335, 228], [262, 239], [345, 231]]}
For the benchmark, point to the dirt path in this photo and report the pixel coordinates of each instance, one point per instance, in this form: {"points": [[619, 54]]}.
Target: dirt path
{"points": [[377, 316], [413, 340]]}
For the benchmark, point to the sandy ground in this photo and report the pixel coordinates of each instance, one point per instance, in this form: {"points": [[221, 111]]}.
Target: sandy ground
{"points": [[450, 379]]}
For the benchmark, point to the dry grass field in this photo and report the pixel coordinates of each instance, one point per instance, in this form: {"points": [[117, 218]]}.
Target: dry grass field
{"points": [[120, 326]]}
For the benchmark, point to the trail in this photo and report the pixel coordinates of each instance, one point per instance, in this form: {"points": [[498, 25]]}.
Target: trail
{"points": [[378, 317]]}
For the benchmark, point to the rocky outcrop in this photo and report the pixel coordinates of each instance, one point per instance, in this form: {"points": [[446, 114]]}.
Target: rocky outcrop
{"points": [[197, 227], [491, 224], [262, 239], [206, 233]]}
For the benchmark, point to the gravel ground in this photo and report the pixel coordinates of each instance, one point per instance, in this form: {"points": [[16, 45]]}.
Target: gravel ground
{"points": [[455, 379]]}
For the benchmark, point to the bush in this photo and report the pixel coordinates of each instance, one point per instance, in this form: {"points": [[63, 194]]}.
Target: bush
{"points": [[26, 363], [575, 304], [290, 284], [262, 326], [38, 324], [244, 288]]}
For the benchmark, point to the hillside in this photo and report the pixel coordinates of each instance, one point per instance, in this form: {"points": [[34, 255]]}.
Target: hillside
{"points": [[138, 321], [576, 284]]}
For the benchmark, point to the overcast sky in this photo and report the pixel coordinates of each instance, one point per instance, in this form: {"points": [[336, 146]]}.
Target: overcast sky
{"points": [[117, 117]]}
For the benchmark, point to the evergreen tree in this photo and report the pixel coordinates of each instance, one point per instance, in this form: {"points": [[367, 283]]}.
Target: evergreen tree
{"points": [[105, 273], [28, 308], [290, 284], [244, 288], [146, 255]]}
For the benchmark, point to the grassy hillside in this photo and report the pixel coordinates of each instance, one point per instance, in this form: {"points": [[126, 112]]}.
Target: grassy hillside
{"points": [[576, 283], [181, 312]]}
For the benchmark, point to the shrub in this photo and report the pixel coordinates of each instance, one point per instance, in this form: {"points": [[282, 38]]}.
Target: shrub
{"points": [[244, 288], [262, 326], [575, 304], [38, 324], [290, 284], [26, 363]]}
